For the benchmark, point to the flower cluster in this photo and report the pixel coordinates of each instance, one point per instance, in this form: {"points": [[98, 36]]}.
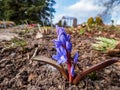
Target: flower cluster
{"points": [[64, 47]]}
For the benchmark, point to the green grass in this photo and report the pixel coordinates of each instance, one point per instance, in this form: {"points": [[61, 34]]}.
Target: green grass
{"points": [[19, 42]]}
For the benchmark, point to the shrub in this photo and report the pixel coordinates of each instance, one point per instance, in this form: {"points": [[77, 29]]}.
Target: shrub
{"points": [[90, 21], [64, 23], [59, 23], [98, 21]]}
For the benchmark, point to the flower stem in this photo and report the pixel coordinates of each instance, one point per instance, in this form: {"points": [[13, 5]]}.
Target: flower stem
{"points": [[69, 71], [69, 64]]}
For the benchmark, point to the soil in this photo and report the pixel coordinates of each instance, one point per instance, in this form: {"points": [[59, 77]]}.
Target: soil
{"points": [[19, 72]]}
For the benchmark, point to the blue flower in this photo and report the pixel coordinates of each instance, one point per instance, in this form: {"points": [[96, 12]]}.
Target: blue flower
{"points": [[75, 58], [63, 48], [63, 45], [61, 55]]}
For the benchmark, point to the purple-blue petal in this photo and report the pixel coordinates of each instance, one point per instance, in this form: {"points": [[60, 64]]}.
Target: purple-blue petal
{"points": [[58, 51], [57, 43], [60, 59], [59, 30], [75, 58], [61, 55], [56, 57], [72, 71], [63, 38], [68, 37], [63, 51], [68, 46], [63, 59]]}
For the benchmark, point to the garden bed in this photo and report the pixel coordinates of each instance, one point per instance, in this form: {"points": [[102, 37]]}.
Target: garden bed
{"points": [[19, 72]]}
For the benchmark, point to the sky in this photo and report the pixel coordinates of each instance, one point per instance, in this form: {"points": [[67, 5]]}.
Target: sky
{"points": [[81, 9]]}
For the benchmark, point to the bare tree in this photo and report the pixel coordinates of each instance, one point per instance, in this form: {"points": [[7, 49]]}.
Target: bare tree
{"points": [[109, 6]]}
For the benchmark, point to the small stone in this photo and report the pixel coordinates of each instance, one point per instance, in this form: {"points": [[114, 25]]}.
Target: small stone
{"points": [[60, 87], [52, 88], [39, 35], [81, 84], [107, 71], [32, 76]]}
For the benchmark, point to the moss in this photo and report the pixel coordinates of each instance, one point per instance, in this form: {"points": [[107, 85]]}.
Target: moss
{"points": [[19, 42]]}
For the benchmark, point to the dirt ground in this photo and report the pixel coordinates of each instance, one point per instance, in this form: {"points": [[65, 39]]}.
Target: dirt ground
{"points": [[19, 72]]}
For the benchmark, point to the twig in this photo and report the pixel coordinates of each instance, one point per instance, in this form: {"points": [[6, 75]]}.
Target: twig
{"points": [[5, 49], [35, 52]]}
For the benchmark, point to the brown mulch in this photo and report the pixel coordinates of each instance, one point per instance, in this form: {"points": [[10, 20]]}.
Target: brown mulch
{"points": [[19, 72]]}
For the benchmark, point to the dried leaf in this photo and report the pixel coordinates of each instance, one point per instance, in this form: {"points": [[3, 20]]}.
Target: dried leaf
{"points": [[51, 62], [94, 68]]}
